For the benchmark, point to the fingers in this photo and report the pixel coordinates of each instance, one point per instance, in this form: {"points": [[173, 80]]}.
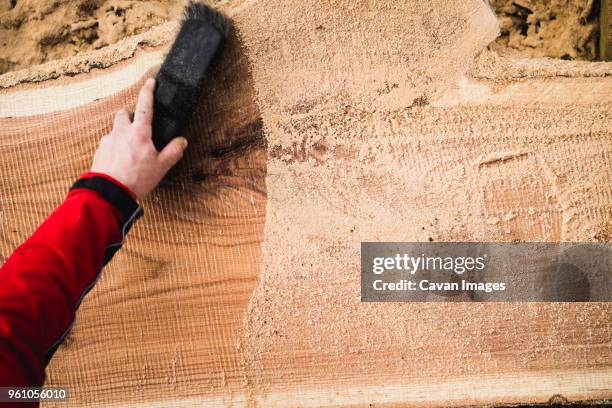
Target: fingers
{"points": [[143, 115], [173, 152], [122, 119]]}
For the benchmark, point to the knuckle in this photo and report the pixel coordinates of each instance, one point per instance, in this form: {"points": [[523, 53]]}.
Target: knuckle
{"points": [[140, 132], [174, 156], [148, 150], [176, 150]]}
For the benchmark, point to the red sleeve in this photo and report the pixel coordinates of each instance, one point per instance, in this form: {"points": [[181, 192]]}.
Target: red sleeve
{"points": [[43, 282]]}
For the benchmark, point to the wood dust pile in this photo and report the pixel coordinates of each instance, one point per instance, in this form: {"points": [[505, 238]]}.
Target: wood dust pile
{"points": [[376, 135], [567, 29], [37, 31]]}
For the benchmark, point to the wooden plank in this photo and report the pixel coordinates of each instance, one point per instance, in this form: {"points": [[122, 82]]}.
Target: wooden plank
{"points": [[165, 317], [372, 136]]}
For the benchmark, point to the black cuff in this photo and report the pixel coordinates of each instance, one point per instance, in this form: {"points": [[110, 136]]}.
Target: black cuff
{"points": [[116, 195]]}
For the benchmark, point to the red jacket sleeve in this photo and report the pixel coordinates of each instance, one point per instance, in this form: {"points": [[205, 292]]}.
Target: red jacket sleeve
{"points": [[43, 282]]}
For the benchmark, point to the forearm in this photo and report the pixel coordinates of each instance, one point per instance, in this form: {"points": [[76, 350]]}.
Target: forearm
{"points": [[44, 280]]}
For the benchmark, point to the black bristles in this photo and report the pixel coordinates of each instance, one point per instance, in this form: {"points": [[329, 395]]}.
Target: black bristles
{"points": [[198, 44], [205, 13]]}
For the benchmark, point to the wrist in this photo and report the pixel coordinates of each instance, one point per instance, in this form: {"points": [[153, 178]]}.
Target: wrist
{"points": [[110, 178], [120, 197]]}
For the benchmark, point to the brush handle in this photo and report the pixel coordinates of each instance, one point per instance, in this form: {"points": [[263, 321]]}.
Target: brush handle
{"points": [[181, 76], [172, 104]]}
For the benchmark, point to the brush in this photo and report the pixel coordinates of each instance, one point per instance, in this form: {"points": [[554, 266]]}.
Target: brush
{"points": [[200, 39]]}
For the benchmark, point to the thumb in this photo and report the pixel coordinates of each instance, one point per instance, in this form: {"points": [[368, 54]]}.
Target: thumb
{"points": [[173, 152]]}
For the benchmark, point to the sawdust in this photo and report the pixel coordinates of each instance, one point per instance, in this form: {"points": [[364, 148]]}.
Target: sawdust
{"points": [[19, 50], [37, 31], [361, 150], [46, 39], [566, 29], [603, 231], [91, 60]]}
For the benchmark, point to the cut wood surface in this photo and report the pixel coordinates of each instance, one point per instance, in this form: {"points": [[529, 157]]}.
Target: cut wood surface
{"points": [[338, 122], [171, 304]]}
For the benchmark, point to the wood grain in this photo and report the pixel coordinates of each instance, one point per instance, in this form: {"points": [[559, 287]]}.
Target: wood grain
{"points": [[165, 317]]}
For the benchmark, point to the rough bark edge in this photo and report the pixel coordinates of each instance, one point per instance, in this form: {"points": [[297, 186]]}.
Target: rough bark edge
{"points": [[85, 62], [490, 65]]}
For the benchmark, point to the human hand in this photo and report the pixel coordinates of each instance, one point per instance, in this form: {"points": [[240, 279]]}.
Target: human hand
{"points": [[128, 154]]}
